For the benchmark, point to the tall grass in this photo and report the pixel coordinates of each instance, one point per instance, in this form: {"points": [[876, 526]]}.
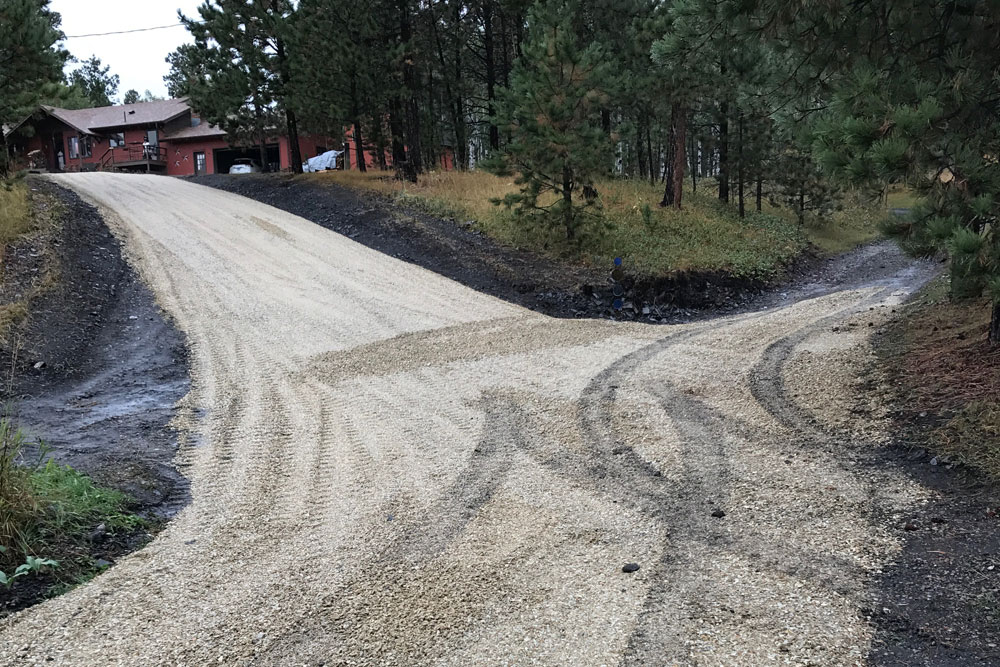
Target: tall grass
{"points": [[18, 505], [15, 211], [44, 505], [705, 236]]}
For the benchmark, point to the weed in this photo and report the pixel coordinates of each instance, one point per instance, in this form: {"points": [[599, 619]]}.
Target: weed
{"points": [[31, 565]]}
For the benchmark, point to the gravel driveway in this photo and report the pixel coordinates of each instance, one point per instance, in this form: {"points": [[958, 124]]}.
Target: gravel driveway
{"points": [[388, 468]]}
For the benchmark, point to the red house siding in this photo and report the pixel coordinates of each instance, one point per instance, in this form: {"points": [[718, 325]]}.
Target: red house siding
{"points": [[53, 129], [180, 155], [446, 161]]}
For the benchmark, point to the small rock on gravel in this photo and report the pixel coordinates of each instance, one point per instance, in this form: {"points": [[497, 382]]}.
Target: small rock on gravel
{"points": [[718, 514], [630, 567]]}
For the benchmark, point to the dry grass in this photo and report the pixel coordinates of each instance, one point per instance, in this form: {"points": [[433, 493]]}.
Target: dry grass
{"points": [[951, 374], [15, 211], [705, 236], [33, 216]]}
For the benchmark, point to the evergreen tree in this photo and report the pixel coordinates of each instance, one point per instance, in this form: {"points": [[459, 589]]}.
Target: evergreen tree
{"points": [[95, 80], [187, 68], [238, 74], [553, 114], [30, 62], [917, 104], [131, 96], [350, 87]]}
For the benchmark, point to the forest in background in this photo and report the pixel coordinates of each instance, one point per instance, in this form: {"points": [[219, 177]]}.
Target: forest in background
{"points": [[785, 101]]}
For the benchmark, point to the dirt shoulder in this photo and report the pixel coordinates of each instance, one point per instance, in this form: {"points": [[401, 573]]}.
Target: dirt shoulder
{"points": [[100, 366], [459, 252], [939, 603], [96, 368]]}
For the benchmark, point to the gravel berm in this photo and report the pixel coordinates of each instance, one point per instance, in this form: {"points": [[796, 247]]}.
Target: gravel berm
{"points": [[388, 468]]}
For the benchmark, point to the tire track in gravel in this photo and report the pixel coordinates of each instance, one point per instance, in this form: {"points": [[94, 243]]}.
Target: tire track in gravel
{"points": [[392, 469], [354, 626]]}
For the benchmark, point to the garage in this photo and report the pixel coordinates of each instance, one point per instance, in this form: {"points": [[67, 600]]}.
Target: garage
{"points": [[225, 157]]}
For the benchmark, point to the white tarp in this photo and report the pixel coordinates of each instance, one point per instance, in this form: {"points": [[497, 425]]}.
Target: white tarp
{"points": [[322, 162]]}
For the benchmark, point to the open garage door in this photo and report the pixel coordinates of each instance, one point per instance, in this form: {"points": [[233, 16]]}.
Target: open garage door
{"points": [[225, 157]]}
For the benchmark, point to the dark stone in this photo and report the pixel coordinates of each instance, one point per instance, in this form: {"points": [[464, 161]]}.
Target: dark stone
{"points": [[630, 567], [718, 514]]}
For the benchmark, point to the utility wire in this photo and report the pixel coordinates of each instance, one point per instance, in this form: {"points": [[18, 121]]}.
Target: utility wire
{"points": [[125, 32]]}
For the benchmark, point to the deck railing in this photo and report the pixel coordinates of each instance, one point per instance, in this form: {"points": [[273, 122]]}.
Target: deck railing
{"points": [[132, 154]]}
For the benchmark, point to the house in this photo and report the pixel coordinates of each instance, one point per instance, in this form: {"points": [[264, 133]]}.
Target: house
{"points": [[445, 155], [163, 137]]}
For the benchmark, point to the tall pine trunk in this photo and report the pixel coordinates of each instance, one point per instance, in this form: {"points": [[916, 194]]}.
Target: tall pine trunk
{"points": [[668, 168], [399, 154], [454, 100], [694, 164], [676, 158], [294, 151], [995, 324], [261, 135], [739, 167], [491, 73], [640, 152], [567, 194], [359, 146], [649, 151], [680, 153], [760, 191], [414, 153], [724, 152]]}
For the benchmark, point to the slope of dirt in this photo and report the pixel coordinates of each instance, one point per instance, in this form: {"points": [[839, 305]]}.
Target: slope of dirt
{"points": [[394, 469], [547, 286], [940, 601], [100, 367], [95, 372]]}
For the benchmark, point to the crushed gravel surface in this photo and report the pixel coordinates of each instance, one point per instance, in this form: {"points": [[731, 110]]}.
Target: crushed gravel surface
{"points": [[388, 468]]}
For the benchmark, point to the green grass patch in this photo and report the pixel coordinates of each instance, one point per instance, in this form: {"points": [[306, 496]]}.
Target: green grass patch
{"points": [[706, 236], [48, 513], [856, 222]]}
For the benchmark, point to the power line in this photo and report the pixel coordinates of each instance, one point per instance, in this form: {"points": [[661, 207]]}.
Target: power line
{"points": [[125, 32]]}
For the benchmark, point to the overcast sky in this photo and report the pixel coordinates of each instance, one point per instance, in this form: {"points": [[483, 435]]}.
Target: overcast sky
{"points": [[138, 58]]}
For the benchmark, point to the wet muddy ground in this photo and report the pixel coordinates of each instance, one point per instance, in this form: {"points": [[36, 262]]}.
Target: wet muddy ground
{"points": [[101, 367]]}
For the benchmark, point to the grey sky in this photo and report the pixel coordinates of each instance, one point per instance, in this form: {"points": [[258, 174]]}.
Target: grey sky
{"points": [[138, 58]]}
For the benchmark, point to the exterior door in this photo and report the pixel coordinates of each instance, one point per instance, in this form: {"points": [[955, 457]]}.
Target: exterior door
{"points": [[58, 161], [199, 163]]}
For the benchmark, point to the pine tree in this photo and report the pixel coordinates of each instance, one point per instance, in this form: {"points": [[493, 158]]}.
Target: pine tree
{"points": [[95, 80], [131, 96], [238, 74], [553, 114], [30, 62], [918, 104]]}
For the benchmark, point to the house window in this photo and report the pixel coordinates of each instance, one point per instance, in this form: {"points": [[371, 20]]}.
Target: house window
{"points": [[116, 140], [199, 163], [152, 138], [80, 147]]}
